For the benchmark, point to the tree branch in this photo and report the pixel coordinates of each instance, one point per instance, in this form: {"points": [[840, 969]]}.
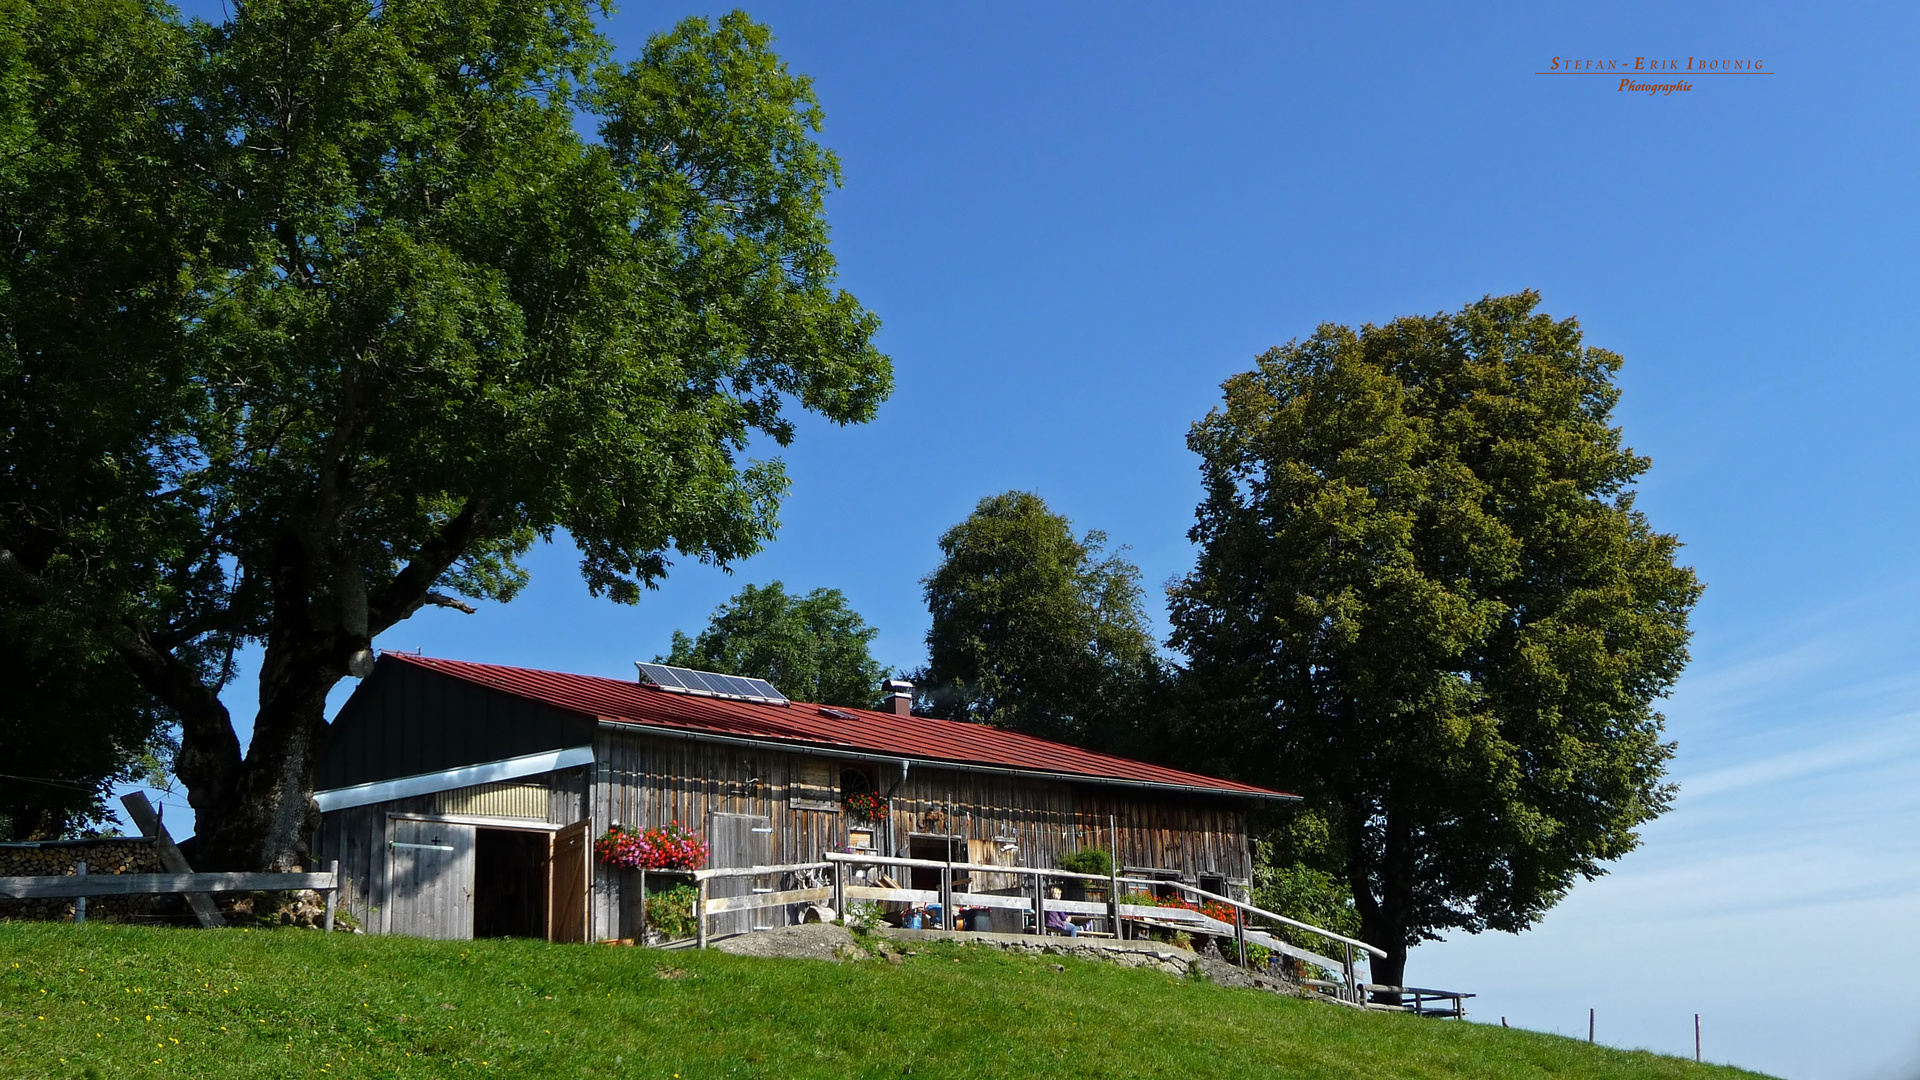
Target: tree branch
{"points": [[209, 758], [19, 577], [411, 587], [439, 599]]}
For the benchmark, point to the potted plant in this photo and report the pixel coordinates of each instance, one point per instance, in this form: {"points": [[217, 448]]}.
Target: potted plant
{"points": [[658, 865], [1086, 861], [865, 807]]}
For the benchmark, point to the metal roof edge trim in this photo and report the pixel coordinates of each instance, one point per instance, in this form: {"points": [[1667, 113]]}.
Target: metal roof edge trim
{"points": [[939, 763], [447, 780]]}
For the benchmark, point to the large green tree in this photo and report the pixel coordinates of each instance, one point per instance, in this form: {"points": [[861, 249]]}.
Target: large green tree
{"points": [[353, 302], [1038, 630], [1425, 600], [813, 647], [93, 260]]}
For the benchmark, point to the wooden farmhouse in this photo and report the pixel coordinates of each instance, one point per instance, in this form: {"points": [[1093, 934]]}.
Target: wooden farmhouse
{"points": [[462, 800]]}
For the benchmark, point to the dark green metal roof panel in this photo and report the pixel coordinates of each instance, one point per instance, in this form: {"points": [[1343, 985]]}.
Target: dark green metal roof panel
{"points": [[406, 720]]}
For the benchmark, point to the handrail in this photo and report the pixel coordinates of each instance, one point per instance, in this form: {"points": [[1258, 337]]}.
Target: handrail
{"points": [[936, 864], [756, 871], [1330, 935]]}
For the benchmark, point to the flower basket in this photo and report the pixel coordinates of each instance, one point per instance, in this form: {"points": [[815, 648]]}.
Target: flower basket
{"points": [[864, 806], [671, 848]]}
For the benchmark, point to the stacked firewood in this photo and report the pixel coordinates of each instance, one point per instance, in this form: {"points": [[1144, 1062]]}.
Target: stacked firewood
{"points": [[117, 856]]}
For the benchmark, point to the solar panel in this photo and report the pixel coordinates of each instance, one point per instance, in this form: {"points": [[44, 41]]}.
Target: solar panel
{"points": [[681, 680], [661, 675], [733, 684]]}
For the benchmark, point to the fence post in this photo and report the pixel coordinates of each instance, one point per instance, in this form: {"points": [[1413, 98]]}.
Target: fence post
{"points": [[79, 902], [642, 939], [1039, 904], [946, 894], [1113, 874], [840, 889], [700, 911], [333, 894], [1240, 933]]}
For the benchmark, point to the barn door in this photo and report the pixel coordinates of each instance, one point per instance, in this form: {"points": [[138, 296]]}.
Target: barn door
{"points": [[741, 840], [567, 877], [430, 880]]}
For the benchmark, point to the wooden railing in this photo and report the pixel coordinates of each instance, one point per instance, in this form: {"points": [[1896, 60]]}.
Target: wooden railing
{"points": [[1033, 898], [708, 907], [80, 885]]}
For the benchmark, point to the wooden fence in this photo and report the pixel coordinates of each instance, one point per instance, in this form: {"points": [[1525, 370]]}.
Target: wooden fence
{"points": [[80, 885], [1031, 897]]}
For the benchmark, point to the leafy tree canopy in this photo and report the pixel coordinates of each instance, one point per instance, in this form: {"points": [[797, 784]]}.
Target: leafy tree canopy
{"points": [[813, 647], [1424, 599], [329, 312], [1037, 630], [72, 725]]}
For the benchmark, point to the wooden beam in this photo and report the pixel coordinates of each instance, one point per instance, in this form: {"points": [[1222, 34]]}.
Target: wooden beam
{"points": [[722, 904], [66, 885], [148, 820], [333, 894], [757, 871]]}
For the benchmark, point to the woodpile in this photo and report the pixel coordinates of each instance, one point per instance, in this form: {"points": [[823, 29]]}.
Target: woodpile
{"points": [[59, 858], [303, 908]]}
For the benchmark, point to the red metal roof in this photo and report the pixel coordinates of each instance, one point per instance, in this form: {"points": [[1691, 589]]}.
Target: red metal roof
{"points": [[836, 727]]}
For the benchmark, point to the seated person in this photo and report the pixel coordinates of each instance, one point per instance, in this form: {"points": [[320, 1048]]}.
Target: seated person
{"points": [[1058, 920]]}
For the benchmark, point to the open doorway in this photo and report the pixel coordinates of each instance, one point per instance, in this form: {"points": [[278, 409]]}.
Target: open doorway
{"points": [[510, 883], [936, 849]]}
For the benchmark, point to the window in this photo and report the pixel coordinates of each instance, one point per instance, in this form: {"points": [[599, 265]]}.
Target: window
{"points": [[810, 786]]}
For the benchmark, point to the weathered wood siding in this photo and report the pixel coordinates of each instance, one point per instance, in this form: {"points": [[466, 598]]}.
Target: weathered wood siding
{"points": [[646, 780], [358, 835]]}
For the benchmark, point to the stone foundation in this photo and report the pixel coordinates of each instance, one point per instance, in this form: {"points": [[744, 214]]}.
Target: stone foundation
{"points": [[1158, 955]]}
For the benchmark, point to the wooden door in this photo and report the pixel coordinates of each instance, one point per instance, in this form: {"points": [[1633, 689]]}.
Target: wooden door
{"points": [[988, 853], [430, 880], [741, 840], [567, 875]]}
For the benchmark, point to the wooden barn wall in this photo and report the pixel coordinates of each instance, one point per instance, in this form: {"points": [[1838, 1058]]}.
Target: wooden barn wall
{"points": [[358, 835], [645, 780]]}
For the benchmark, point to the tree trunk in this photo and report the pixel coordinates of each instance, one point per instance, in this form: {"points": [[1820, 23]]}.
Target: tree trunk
{"points": [[271, 815], [259, 814], [1388, 970], [1382, 884]]}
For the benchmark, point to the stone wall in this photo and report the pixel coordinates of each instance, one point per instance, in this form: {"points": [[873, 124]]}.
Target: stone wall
{"points": [[56, 858]]}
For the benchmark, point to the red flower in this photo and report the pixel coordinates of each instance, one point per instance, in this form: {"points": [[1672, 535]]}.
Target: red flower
{"points": [[671, 848], [864, 805]]}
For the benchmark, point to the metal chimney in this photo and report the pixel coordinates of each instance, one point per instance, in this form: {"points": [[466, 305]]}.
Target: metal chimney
{"points": [[899, 700]]}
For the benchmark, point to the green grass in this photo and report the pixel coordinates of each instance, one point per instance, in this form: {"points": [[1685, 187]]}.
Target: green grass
{"points": [[141, 1002]]}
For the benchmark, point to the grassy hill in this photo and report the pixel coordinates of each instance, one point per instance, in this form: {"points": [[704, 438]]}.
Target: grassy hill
{"points": [[116, 1001]]}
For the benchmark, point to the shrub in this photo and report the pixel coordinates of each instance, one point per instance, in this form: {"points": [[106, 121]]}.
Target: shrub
{"points": [[864, 916], [1087, 861], [670, 911]]}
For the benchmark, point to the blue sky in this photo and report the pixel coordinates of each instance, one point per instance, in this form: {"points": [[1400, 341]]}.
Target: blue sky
{"points": [[1075, 221]]}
